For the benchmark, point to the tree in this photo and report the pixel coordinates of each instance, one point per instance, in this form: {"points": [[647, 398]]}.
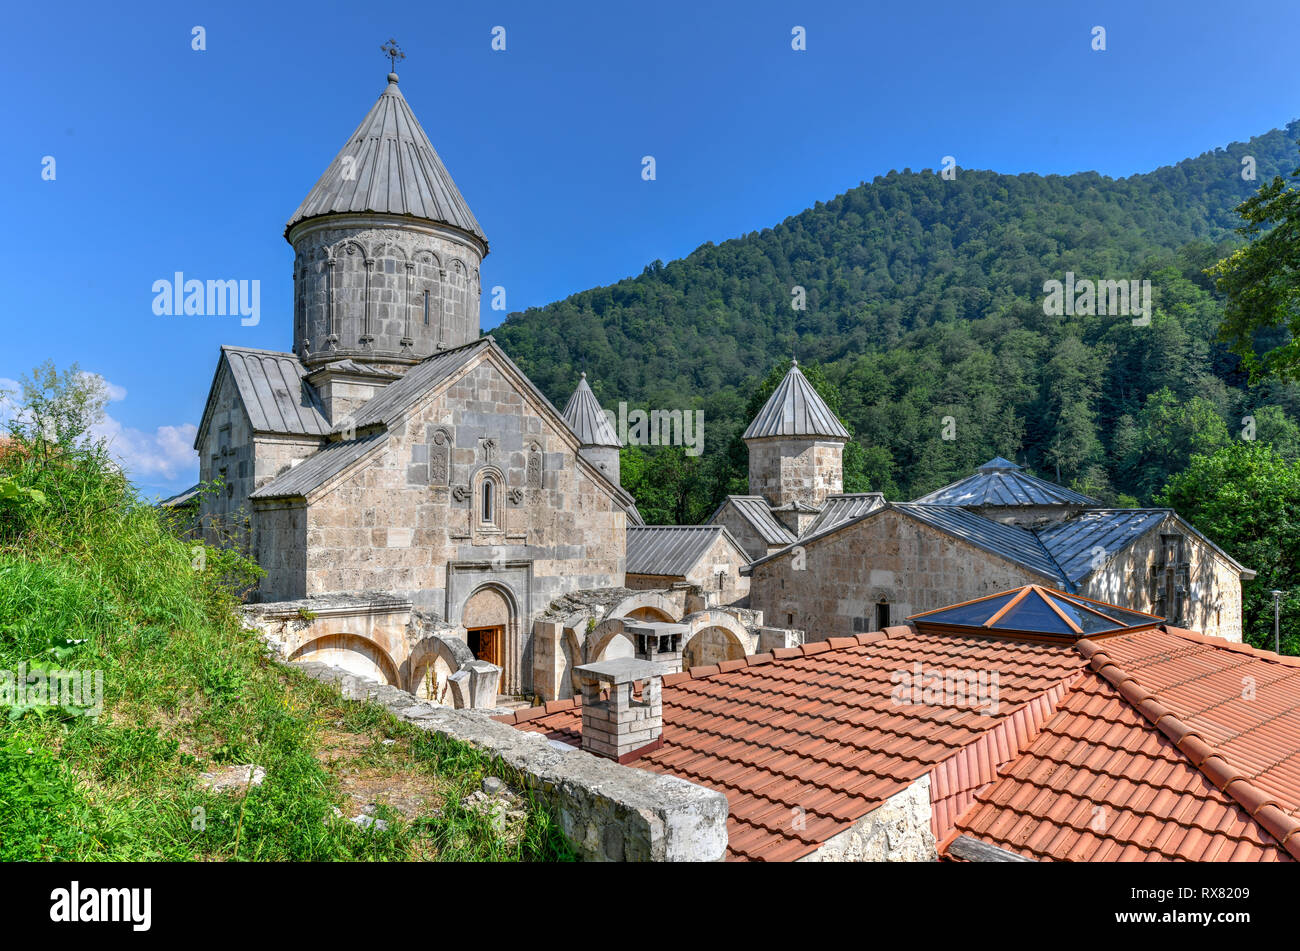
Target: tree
{"points": [[1262, 282], [1169, 432], [58, 408], [1247, 498]]}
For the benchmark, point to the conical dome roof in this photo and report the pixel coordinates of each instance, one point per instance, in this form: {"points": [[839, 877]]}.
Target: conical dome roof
{"points": [[795, 409], [587, 419], [388, 166]]}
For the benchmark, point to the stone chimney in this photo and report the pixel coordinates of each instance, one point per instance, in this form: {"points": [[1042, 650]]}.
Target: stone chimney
{"points": [[621, 727], [658, 643]]}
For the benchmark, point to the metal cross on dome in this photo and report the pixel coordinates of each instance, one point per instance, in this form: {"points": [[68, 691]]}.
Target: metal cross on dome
{"points": [[393, 52]]}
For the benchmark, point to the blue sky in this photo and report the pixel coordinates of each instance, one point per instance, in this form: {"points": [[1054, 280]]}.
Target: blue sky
{"points": [[170, 159]]}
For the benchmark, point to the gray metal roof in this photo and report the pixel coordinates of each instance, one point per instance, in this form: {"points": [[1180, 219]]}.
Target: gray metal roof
{"points": [[275, 395], [397, 397], [795, 409], [1002, 482], [1092, 537], [316, 470], [388, 165], [181, 498], [671, 550], [585, 416], [841, 508], [755, 510], [1008, 541]]}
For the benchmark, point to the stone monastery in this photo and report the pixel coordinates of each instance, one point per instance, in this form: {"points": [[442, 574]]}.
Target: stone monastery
{"points": [[402, 481], [813, 675]]}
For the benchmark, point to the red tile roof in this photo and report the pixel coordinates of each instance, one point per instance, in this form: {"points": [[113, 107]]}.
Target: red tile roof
{"points": [[805, 741], [1172, 746]]}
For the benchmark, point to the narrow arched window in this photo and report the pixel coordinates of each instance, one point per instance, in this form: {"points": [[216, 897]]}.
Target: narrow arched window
{"points": [[426, 308], [488, 502]]}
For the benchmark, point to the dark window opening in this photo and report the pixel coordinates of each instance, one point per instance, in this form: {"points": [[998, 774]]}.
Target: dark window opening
{"points": [[882, 615]]}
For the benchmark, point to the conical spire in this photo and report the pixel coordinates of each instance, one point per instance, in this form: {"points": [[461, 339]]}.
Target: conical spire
{"points": [[795, 409], [389, 166], [587, 419]]}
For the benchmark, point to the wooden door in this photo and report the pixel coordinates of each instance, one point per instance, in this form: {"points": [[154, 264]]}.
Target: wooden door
{"points": [[488, 643]]}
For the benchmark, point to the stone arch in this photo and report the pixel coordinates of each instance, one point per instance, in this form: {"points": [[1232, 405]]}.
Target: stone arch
{"points": [[353, 653], [350, 286], [432, 661], [606, 635], [493, 606], [384, 245], [715, 636], [426, 298], [488, 605], [648, 606]]}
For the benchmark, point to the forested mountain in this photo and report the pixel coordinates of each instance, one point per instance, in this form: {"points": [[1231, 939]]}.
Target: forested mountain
{"points": [[924, 300]]}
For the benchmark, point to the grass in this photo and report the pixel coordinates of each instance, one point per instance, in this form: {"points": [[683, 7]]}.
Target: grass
{"points": [[92, 578]]}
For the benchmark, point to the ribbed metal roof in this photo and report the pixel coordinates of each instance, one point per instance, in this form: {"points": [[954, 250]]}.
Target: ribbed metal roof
{"points": [[585, 416], [316, 470], [841, 508], [181, 498], [755, 510], [671, 550], [1093, 537], [1002, 482], [397, 397], [388, 165], [277, 398], [795, 409], [1009, 541]]}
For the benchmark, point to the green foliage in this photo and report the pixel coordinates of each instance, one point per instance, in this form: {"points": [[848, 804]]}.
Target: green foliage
{"points": [[1262, 281], [925, 302], [94, 579], [1246, 496]]}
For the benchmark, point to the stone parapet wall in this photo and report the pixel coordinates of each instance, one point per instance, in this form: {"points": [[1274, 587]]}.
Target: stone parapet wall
{"points": [[610, 813], [898, 830]]}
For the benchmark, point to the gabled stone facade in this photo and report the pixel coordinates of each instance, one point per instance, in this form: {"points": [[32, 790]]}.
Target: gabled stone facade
{"points": [[468, 494]]}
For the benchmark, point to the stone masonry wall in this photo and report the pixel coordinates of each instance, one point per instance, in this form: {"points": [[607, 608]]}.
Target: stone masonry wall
{"points": [[1214, 609], [244, 461], [790, 470], [898, 830], [408, 521], [754, 544], [888, 556], [372, 295]]}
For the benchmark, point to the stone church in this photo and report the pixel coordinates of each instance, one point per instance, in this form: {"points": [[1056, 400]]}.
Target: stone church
{"points": [[395, 450], [834, 564], [420, 507]]}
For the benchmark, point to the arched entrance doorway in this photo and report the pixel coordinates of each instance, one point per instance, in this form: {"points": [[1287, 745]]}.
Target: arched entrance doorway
{"points": [[489, 621]]}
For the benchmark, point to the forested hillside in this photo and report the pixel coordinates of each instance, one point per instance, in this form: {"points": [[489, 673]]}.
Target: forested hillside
{"points": [[924, 300]]}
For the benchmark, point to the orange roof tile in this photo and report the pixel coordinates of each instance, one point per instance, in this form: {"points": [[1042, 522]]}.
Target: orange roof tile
{"points": [[806, 741], [1171, 746]]}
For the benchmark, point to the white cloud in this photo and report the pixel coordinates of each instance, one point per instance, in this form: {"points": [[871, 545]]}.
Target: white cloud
{"points": [[167, 452]]}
